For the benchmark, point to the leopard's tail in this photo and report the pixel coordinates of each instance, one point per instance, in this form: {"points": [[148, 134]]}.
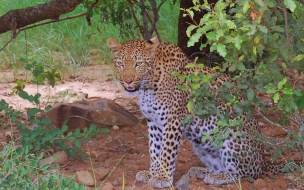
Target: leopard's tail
{"points": [[283, 167]]}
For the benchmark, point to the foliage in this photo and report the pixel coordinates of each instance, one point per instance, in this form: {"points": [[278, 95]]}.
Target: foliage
{"points": [[262, 44], [43, 135], [134, 17], [20, 169]]}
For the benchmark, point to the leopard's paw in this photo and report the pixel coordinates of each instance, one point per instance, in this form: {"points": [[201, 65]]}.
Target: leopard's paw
{"points": [[218, 179], [161, 181], [143, 176], [199, 172]]}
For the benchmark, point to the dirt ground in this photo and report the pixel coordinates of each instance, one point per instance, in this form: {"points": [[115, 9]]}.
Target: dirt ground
{"points": [[124, 151]]}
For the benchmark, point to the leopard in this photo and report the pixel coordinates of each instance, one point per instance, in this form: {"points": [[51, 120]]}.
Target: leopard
{"points": [[144, 68]]}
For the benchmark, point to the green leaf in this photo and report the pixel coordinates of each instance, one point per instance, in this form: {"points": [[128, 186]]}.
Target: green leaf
{"points": [[90, 12], [46, 121], [273, 57], [240, 66], [204, 19], [298, 58], [262, 28], [271, 89], [175, 73], [64, 128], [200, 66], [232, 68], [287, 90], [298, 92], [250, 94], [254, 50], [238, 41], [23, 94], [222, 123], [246, 7], [190, 106], [190, 65], [278, 28], [182, 87], [189, 30], [105, 130], [33, 111], [195, 86], [206, 78], [260, 3], [230, 24], [276, 97], [77, 143], [235, 122], [290, 4], [219, 33], [221, 49], [190, 12], [282, 83], [210, 36], [22, 59], [193, 39]]}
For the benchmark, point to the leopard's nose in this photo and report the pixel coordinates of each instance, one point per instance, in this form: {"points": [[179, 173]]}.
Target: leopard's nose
{"points": [[128, 81]]}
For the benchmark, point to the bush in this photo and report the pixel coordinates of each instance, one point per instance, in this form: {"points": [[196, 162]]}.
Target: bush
{"points": [[21, 170], [261, 43]]}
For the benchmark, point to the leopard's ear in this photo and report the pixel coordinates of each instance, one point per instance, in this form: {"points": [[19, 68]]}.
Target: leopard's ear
{"points": [[114, 45], [151, 45]]}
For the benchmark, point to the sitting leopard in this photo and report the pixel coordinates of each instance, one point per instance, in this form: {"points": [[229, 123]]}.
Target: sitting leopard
{"points": [[145, 68]]}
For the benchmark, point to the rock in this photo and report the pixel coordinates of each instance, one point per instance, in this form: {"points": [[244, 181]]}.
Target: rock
{"points": [[280, 183], [101, 173], [85, 177], [101, 112], [115, 182], [62, 158], [115, 128], [107, 186], [275, 131], [260, 184]]}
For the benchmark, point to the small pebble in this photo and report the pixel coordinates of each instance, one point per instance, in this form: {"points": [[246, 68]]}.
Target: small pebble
{"points": [[115, 128]]}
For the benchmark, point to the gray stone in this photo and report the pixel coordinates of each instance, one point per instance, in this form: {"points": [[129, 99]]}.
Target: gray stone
{"points": [[101, 112]]}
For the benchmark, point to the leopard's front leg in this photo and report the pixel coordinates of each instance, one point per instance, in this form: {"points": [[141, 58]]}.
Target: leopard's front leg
{"points": [[155, 138], [164, 142]]}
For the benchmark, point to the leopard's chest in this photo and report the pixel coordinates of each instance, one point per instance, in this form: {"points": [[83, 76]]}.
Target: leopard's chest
{"points": [[152, 108]]}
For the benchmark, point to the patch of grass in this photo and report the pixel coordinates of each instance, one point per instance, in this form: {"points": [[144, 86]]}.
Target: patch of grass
{"points": [[71, 43], [22, 170]]}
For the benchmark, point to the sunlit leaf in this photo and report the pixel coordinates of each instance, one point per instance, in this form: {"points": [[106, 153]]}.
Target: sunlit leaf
{"points": [[237, 42], [290, 4], [276, 97], [282, 83], [221, 49]]}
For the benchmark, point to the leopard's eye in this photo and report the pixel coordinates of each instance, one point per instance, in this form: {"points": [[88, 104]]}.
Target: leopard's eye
{"points": [[119, 63], [139, 63]]}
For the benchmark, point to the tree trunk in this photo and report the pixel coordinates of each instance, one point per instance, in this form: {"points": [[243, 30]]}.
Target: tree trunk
{"points": [[19, 18], [183, 24]]}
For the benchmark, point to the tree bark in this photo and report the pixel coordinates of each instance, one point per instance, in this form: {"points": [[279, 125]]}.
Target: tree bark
{"points": [[19, 18], [183, 23]]}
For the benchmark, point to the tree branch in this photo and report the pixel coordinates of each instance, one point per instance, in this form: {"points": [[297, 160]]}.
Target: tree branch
{"points": [[19, 18], [40, 24]]}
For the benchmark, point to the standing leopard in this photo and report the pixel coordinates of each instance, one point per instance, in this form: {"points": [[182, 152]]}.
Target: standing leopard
{"points": [[145, 69]]}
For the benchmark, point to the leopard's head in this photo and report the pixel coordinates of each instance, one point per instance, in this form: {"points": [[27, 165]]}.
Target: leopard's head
{"points": [[133, 61]]}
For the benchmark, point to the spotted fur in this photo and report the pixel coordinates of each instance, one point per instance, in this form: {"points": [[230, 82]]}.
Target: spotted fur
{"points": [[145, 68]]}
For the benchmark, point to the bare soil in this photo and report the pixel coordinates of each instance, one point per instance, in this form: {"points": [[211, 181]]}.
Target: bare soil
{"points": [[124, 151]]}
